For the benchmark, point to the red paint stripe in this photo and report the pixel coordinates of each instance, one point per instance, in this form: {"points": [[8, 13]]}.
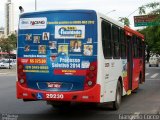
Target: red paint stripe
{"points": [[69, 72], [92, 93], [32, 60]]}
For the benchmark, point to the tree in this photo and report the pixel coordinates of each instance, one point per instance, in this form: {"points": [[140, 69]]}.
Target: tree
{"points": [[152, 33], [155, 6], [8, 44], [124, 20]]}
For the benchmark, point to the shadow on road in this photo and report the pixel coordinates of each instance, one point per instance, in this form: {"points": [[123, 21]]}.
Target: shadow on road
{"points": [[85, 111], [75, 112]]}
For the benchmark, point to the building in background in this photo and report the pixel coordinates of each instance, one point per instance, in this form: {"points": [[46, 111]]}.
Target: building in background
{"points": [[9, 18], [1, 32]]}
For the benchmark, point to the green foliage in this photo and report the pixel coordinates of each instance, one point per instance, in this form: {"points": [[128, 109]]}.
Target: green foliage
{"points": [[152, 38], [152, 33], [155, 6], [8, 44], [142, 10], [124, 20]]}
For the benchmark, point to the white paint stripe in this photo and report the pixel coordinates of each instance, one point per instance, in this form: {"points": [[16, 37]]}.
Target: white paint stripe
{"points": [[152, 79], [154, 75], [7, 74], [146, 74], [3, 73]]}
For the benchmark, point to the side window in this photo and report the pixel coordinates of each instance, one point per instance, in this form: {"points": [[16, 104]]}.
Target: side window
{"points": [[140, 47], [123, 44], [135, 47], [115, 38], [106, 39]]}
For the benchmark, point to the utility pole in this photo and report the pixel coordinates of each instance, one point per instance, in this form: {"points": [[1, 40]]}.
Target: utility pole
{"points": [[110, 11]]}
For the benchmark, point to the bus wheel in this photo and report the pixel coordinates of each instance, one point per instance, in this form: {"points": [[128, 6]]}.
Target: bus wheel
{"points": [[60, 105], [117, 102]]}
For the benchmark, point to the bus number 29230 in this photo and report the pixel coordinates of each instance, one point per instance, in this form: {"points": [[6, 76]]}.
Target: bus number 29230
{"points": [[55, 96]]}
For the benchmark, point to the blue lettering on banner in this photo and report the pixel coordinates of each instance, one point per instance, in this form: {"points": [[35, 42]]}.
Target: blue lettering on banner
{"points": [[24, 22]]}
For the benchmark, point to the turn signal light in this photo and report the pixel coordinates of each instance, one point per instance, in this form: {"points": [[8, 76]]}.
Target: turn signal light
{"points": [[91, 76], [92, 68]]}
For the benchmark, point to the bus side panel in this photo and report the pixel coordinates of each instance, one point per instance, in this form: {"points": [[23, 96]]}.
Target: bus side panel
{"points": [[114, 72], [100, 61], [137, 68], [109, 71]]}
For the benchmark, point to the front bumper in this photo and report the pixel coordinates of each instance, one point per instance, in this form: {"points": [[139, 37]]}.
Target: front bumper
{"points": [[91, 95]]}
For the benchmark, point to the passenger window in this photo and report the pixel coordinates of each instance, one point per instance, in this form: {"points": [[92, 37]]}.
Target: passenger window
{"points": [[106, 39], [115, 38], [140, 47], [123, 44], [135, 47]]}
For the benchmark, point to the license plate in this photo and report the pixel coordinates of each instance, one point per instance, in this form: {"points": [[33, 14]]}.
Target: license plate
{"points": [[54, 85]]}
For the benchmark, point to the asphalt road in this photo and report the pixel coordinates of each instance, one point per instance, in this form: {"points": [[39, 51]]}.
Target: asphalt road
{"points": [[145, 101]]}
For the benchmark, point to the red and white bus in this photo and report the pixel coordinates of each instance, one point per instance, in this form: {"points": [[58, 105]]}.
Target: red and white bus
{"points": [[69, 56]]}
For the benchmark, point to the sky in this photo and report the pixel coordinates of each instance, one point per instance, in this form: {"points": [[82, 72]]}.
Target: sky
{"points": [[119, 8]]}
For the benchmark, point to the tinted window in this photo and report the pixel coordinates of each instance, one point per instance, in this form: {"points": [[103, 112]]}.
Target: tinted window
{"points": [[123, 43], [115, 38], [135, 47], [106, 39], [140, 50]]}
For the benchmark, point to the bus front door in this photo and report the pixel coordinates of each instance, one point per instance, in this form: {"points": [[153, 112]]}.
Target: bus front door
{"points": [[130, 63]]}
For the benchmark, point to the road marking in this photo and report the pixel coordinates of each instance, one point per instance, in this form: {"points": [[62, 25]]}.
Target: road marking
{"points": [[7, 74], [152, 79], [146, 74], [154, 75], [3, 73]]}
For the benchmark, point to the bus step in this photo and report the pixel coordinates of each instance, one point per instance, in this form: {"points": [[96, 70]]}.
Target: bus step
{"points": [[129, 92]]}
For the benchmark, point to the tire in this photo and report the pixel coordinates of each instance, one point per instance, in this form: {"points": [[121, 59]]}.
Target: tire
{"points": [[149, 65], [117, 102], [157, 65], [60, 105]]}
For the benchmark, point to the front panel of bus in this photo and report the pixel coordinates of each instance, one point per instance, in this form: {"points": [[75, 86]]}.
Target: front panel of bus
{"points": [[57, 51]]}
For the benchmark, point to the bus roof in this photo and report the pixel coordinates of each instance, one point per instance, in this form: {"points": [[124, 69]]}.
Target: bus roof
{"points": [[76, 10], [58, 11], [131, 31], [110, 20]]}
